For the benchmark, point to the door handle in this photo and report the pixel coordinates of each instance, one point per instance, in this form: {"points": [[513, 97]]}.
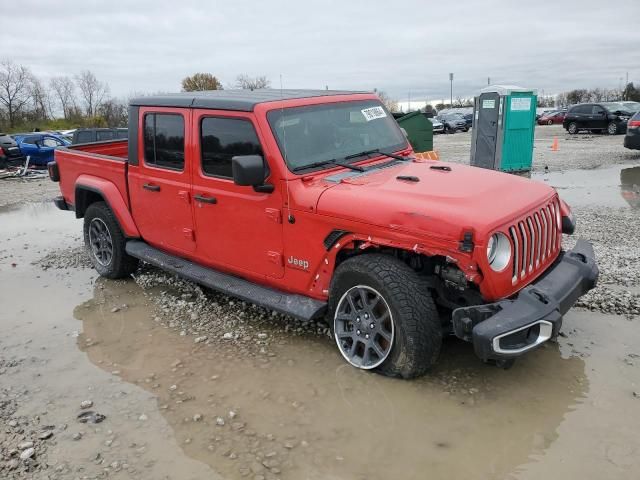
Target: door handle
{"points": [[203, 199], [153, 188]]}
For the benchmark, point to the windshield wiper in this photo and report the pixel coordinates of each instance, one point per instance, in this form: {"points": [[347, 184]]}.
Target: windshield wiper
{"points": [[376, 150], [333, 161]]}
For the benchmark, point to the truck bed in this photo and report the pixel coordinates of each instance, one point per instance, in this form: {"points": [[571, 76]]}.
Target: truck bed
{"points": [[104, 160]]}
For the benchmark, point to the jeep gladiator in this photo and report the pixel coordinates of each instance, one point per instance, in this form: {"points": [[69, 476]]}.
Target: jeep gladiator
{"points": [[311, 203]]}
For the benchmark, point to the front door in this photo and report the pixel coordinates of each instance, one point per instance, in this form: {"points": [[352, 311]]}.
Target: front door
{"points": [[239, 229], [160, 185], [599, 117], [486, 123]]}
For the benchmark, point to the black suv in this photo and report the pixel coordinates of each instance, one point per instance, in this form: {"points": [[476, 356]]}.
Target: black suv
{"points": [[611, 117], [90, 135], [453, 122], [632, 139], [10, 154]]}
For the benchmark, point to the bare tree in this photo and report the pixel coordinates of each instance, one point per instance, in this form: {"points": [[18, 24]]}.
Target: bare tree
{"points": [[114, 112], [391, 104], [65, 92], [199, 82], [246, 82], [40, 100], [15, 81], [92, 90]]}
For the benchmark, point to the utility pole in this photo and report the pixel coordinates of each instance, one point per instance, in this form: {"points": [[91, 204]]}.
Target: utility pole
{"points": [[451, 80], [488, 80]]}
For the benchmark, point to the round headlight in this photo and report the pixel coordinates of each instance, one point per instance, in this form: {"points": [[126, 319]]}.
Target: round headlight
{"points": [[491, 248], [498, 251]]}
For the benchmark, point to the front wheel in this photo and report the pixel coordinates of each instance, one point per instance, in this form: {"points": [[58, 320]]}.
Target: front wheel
{"points": [[572, 128], [549, 122], [105, 243], [383, 317], [612, 128]]}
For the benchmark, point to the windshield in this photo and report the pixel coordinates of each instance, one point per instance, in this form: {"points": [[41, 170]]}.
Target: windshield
{"points": [[316, 133], [614, 106]]}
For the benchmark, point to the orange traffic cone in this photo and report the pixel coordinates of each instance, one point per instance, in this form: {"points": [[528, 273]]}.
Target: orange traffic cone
{"points": [[554, 145]]}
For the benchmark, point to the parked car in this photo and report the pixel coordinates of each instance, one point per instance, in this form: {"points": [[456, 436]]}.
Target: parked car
{"points": [[10, 154], [39, 146], [453, 122], [438, 126], [552, 118], [326, 213], [89, 135], [610, 117], [468, 117], [632, 138]]}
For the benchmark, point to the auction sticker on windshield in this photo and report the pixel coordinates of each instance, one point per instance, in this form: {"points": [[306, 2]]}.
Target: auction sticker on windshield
{"points": [[373, 113]]}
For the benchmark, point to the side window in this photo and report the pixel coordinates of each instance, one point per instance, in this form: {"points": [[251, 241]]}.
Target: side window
{"points": [[122, 133], [598, 110], [30, 140], [104, 135], [223, 138], [164, 140], [51, 142], [84, 137]]}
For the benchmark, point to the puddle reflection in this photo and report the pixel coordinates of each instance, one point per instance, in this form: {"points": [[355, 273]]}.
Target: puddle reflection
{"points": [[615, 186], [303, 413]]}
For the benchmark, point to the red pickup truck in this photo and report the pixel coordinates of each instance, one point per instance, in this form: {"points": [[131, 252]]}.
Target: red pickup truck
{"points": [[312, 203]]}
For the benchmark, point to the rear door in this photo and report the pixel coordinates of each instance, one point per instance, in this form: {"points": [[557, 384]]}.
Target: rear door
{"points": [[584, 114], [238, 228], [160, 186]]}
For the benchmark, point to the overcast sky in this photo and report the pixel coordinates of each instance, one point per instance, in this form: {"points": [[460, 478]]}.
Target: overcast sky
{"points": [[399, 47]]}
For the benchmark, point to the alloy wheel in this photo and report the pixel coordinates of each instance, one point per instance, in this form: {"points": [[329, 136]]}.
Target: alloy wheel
{"points": [[100, 242], [363, 327]]}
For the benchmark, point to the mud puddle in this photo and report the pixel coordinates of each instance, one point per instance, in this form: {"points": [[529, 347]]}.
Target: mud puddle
{"points": [[177, 408], [616, 186]]}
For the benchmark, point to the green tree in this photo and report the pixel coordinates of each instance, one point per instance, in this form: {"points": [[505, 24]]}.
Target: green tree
{"points": [[199, 82]]}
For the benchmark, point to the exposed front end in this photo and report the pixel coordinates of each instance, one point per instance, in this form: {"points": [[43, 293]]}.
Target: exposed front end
{"points": [[509, 328]]}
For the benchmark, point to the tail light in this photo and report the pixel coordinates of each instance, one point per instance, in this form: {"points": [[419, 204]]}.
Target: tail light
{"points": [[633, 124], [3, 151]]}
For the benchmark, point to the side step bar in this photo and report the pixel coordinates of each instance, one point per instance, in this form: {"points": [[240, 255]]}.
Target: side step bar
{"points": [[304, 308]]}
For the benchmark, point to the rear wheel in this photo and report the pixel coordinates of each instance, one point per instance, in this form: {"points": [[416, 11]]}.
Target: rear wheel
{"points": [[105, 242], [572, 128], [549, 122], [612, 128], [383, 317]]}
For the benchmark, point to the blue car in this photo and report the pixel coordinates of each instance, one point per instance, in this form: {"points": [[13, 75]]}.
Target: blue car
{"points": [[39, 146]]}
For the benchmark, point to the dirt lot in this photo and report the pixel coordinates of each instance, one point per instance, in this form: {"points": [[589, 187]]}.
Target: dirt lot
{"points": [[196, 385]]}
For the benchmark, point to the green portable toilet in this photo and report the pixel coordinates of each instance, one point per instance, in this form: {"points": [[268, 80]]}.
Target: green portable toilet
{"points": [[419, 130], [504, 118]]}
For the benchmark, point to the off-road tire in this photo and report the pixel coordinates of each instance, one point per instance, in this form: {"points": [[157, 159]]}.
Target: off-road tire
{"points": [[418, 331], [572, 128], [612, 128], [121, 264]]}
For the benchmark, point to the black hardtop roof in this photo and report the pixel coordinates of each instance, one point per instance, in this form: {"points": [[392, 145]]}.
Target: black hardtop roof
{"points": [[241, 100]]}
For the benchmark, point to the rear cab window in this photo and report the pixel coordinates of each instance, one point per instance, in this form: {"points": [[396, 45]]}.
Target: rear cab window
{"points": [[221, 139], [164, 140]]}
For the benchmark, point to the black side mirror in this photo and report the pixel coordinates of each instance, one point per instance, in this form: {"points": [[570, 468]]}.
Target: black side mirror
{"points": [[250, 171]]}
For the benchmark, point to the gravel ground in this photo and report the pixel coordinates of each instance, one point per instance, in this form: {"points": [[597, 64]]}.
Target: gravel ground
{"points": [[17, 190], [582, 151]]}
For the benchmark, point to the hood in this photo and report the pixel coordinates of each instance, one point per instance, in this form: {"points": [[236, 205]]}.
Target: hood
{"points": [[442, 203]]}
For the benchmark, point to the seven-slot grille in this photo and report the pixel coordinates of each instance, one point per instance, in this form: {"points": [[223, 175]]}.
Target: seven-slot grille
{"points": [[535, 239]]}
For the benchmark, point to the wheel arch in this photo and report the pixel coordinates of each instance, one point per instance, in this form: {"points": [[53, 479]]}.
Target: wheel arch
{"points": [[342, 245], [89, 190]]}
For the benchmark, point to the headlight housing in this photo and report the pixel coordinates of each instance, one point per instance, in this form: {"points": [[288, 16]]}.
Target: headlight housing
{"points": [[498, 251]]}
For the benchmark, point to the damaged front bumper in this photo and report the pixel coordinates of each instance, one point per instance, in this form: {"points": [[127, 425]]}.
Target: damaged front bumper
{"points": [[509, 328]]}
